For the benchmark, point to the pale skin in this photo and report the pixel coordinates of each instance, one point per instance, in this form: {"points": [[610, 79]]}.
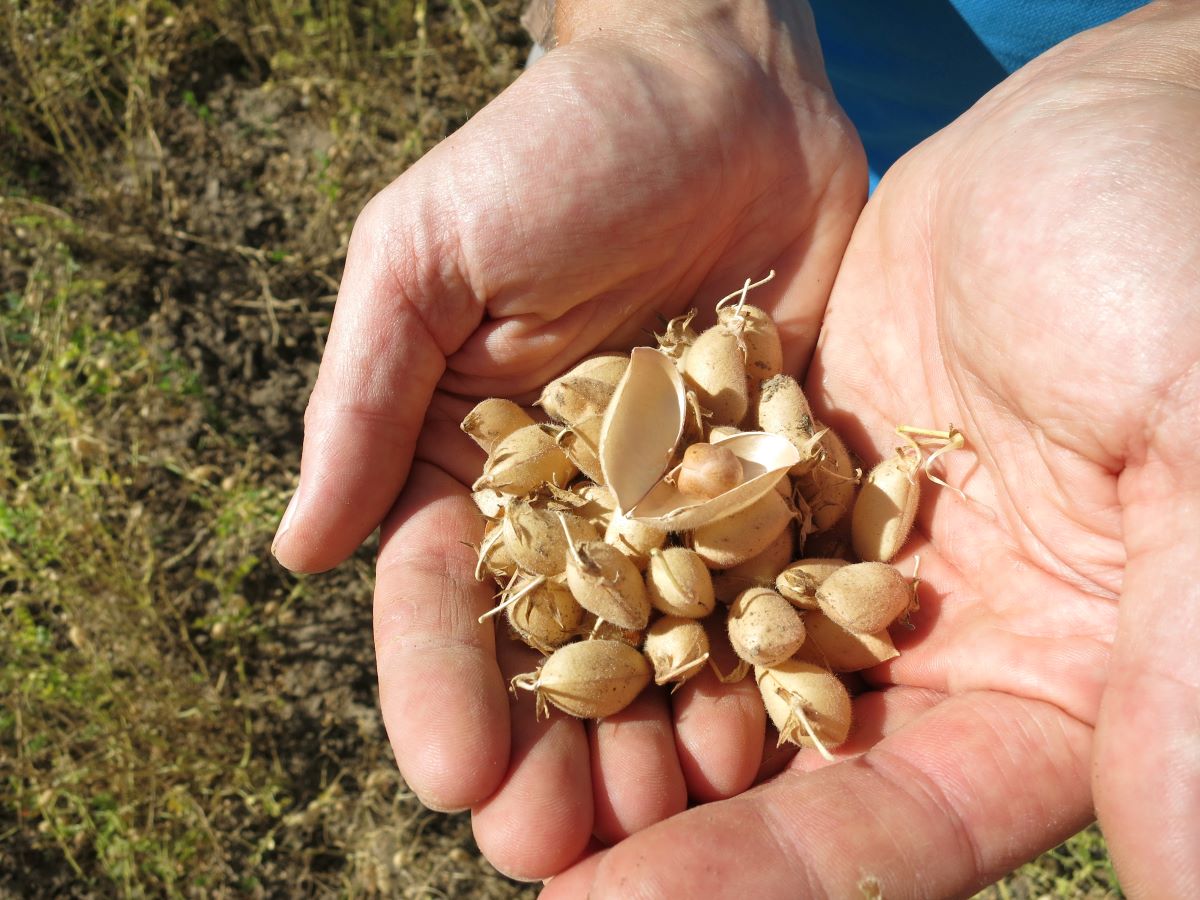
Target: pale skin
{"points": [[1031, 275]]}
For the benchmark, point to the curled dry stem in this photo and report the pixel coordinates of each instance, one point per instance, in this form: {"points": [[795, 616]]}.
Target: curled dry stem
{"points": [[944, 441], [735, 675], [530, 681], [485, 550]]}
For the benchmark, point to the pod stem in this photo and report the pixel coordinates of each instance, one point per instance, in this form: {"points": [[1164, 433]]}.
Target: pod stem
{"points": [[571, 542], [510, 598], [527, 681], [798, 710]]}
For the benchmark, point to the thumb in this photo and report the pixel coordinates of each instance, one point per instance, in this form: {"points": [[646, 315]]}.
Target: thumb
{"points": [[403, 306], [1146, 779]]}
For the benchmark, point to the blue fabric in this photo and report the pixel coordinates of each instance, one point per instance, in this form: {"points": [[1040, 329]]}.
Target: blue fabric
{"points": [[903, 70]]}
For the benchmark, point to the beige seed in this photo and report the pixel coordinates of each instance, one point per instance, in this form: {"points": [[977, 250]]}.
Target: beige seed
{"points": [[764, 629], [524, 461], [865, 597], [799, 581], [884, 511], [842, 650], [677, 648], [807, 704], [589, 679], [715, 370], [708, 471], [492, 420], [737, 537], [608, 584]]}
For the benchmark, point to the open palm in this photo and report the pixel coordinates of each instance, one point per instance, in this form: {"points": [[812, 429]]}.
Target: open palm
{"points": [[1029, 275], [624, 176]]}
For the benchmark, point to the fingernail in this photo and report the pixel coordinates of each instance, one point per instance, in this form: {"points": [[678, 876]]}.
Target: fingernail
{"points": [[286, 522]]}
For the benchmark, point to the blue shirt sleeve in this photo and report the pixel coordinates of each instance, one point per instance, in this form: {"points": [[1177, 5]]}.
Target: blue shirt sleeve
{"points": [[903, 70]]}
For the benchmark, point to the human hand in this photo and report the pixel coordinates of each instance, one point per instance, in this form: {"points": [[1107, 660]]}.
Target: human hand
{"points": [[658, 156], [1031, 275]]}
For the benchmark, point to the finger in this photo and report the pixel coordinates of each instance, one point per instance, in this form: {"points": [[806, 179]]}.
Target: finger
{"points": [[442, 442], [440, 690], [636, 779], [876, 715], [1147, 773], [539, 821], [979, 784], [400, 310], [719, 727]]}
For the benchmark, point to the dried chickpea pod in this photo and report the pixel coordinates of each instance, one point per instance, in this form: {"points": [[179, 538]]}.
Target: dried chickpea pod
{"points": [[494, 558], [829, 488], [807, 704], [799, 581], [763, 348], [678, 583], [599, 505], [535, 539], [708, 471], [581, 444], [742, 535], [885, 509], [783, 409], [584, 392], [842, 650], [763, 627], [866, 597], [490, 503], [594, 629], [633, 538], [758, 571], [492, 420], [524, 460], [544, 614], [715, 370], [589, 679], [607, 584], [677, 649]]}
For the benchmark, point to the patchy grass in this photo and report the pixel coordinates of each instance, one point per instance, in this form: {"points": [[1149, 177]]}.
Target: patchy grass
{"points": [[177, 184]]}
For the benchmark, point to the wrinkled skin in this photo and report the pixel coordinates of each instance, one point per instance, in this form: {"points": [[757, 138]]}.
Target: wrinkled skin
{"points": [[1032, 275], [633, 172]]}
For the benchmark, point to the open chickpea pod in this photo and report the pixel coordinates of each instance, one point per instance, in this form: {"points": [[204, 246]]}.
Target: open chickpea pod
{"points": [[683, 482]]}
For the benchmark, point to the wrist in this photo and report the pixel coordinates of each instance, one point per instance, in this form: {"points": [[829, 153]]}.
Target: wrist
{"points": [[760, 29]]}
